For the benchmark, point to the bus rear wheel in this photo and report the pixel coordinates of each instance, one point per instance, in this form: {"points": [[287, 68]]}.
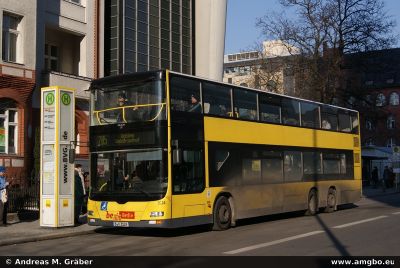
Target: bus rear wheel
{"points": [[312, 207], [331, 201], [222, 214]]}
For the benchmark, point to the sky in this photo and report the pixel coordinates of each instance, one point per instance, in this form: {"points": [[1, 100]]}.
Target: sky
{"points": [[242, 34]]}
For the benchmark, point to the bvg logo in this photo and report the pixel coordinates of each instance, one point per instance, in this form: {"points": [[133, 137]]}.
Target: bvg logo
{"points": [[112, 216]]}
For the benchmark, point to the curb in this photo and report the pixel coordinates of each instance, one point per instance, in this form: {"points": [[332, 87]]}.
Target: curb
{"points": [[15, 241]]}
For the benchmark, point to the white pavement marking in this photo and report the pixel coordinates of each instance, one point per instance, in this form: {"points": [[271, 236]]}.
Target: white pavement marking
{"points": [[359, 222], [396, 213], [241, 250]]}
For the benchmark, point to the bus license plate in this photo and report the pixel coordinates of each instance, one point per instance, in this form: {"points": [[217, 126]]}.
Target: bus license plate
{"points": [[120, 224]]}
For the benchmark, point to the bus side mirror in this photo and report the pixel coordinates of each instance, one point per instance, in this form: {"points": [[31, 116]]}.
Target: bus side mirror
{"points": [[71, 156], [177, 156]]}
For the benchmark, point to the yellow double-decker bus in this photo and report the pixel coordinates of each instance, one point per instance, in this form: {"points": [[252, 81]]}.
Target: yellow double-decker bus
{"points": [[170, 150]]}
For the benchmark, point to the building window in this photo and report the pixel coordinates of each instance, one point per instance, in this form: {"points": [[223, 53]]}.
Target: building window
{"points": [[391, 122], [369, 142], [351, 101], [380, 100], [75, 1], [51, 57], [367, 101], [369, 125], [12, 40], [394, 99], [8, 127], [391, 142]]}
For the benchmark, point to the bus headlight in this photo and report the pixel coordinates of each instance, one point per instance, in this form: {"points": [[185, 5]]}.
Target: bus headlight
{"points": [[154, 214]]}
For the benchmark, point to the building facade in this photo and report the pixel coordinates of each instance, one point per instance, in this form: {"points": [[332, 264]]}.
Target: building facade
{"points": [[181, 35], [373, 87], [44, 43], [373, 84], [267, 69]]}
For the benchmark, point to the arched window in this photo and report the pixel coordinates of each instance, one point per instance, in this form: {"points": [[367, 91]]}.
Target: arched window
{"points": [[380, 100], [369, 125], [367, 101], [8, 127], [391, 142], [394, 99], [391, 122], [351, 101]]}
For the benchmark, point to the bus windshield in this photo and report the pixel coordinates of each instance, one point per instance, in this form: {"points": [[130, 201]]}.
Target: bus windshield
{"points": [[127, 103], [139, 174]]}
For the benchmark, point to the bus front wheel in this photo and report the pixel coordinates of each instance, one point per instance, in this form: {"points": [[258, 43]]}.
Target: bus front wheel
{"points": [[222, 214], [312, 207]]}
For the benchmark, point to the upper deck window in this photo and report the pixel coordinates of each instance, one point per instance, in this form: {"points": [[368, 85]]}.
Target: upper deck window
{"points": [[127, 103], [354, 122], [290, 112], [245, 103], [270, 108], [217, 100], [329, 118], [310, 115], [344, 122], [185, 95]]}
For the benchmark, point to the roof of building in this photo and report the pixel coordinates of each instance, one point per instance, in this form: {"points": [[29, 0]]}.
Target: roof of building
{"points": [[377, 69]]}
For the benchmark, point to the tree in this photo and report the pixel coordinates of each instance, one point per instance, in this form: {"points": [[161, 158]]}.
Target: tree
{"points": [[324, 32]]}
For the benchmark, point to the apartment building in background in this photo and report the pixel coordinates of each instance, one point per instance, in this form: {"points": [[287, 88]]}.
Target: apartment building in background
{"points": [[267, 69], [44, 43]]}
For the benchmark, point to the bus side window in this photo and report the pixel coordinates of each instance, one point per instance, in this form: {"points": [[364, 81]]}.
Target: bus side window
{"points": [[329, 118], [293, 166], [272, 169], [245, 103], [344, 122], [290, 112], [219, 98], [188, 177], [270, 108], [354, 122], [183, 93], [310, 115]]}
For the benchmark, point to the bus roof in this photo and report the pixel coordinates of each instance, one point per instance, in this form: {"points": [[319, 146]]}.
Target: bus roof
{"points": [[123, 78]]}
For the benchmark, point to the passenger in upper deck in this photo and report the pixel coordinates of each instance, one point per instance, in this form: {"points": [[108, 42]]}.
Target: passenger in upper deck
{"points": [[131, 114], [195, 106]]}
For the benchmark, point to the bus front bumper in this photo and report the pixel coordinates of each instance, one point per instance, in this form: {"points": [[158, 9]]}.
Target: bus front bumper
{"points": [[168, 223]]}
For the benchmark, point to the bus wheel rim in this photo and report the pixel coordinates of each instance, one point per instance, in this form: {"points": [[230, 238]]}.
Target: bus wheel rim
{"points": [[331, 200], [313, 204], [223, 214]]}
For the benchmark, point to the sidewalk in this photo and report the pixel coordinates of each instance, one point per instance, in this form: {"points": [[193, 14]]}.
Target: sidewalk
{"points": [[30, 231], [369, 191]]}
